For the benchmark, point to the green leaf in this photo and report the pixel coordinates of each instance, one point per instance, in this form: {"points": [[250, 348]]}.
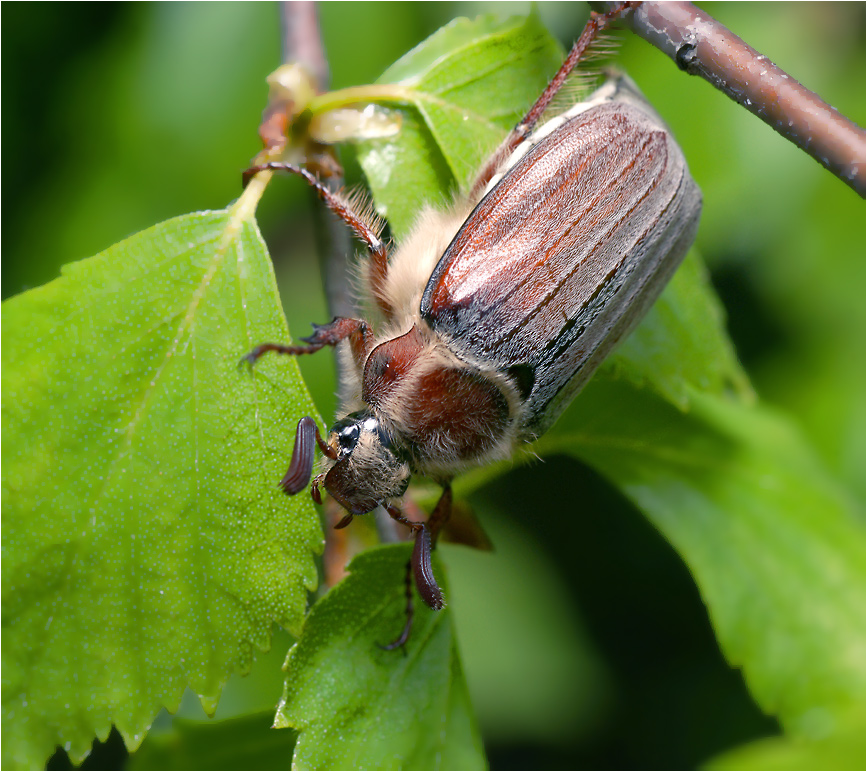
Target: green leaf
{"points": [[357, 706], [681, 345], [146, 546], [773, 543], [468, 84]]}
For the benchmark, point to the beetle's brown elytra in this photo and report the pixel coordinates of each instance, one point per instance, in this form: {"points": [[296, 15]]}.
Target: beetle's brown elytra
{"points": [[498, 310]]}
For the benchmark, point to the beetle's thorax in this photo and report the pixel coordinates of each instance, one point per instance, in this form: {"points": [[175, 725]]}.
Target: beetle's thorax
{"points": [[441, 414]]}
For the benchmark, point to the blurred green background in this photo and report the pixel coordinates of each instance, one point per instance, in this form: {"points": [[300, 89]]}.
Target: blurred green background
{"points": [[118, 116]]}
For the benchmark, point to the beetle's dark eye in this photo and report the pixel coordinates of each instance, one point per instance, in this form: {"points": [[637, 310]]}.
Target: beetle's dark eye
{"points": [[347, 432], [348, 437]]}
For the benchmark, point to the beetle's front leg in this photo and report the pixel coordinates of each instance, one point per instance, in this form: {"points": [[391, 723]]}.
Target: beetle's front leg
{"points": [[357, 331]]}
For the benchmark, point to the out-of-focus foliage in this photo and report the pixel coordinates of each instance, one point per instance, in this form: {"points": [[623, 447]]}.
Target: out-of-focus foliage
{"points": [[150, 111], [465, 82], [248, 742]]}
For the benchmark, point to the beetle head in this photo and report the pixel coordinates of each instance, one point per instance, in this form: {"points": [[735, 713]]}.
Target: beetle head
{"points": [[366, 470], [363, 469]]}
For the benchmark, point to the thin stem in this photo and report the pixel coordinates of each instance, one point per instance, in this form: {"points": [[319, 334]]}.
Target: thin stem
{"points": [[700, 45], [354, 95], [244, 208], [302, 43]]}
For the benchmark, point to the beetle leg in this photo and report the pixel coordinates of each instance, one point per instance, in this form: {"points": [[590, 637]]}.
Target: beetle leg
{"points": [[346, 520], [440, 515], [595, 24], [365, 227], [395, 514], [419, 566], [314, 488], [340, 328], [357, 331], [253, 356], [364, 230], [401, 639]]}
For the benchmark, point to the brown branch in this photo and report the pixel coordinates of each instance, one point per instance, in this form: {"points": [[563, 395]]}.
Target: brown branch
{"points": [[302, 44], [302, 41], [702, 46]]}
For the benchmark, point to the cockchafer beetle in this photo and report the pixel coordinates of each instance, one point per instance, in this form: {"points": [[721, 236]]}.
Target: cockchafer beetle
{"points": [[498, 310]]}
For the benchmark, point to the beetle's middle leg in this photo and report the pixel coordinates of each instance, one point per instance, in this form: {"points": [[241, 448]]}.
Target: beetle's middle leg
{"points": [[595, 25]]}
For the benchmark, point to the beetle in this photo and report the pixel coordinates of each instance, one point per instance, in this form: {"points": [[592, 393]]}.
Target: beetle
{"points": [[498, 310]]}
